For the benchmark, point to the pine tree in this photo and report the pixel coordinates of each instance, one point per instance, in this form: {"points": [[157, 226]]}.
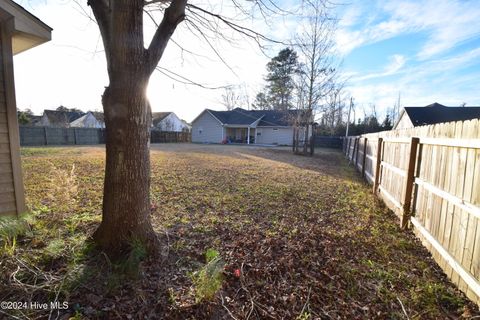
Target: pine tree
{"points": [[278, 93]]}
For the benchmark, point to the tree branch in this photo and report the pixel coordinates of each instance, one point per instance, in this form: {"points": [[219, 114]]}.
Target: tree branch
{"points": [[184, 80], [101, 11], [174, 14], [250, 33]]}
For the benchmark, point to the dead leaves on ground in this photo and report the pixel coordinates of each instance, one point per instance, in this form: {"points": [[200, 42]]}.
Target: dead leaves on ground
{"points": [[301, 238]]}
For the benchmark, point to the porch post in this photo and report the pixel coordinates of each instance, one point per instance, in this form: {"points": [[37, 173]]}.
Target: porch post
{"points": [[248, 135]]}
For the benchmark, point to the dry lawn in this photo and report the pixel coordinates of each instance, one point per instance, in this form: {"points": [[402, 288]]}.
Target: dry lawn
{"points": [[296, 238]]}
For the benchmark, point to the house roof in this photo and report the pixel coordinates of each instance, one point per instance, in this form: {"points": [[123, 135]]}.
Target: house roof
{"points": [[266, 118], [98, 115], [80, 121], [35, 119], [159, 116], [185, 123], [29, 31], [61, 118], [437, 113]]}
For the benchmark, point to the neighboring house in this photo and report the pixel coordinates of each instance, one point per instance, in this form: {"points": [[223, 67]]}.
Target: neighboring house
{"points": [[168, 121], [245, 126], [434, 113], [19, 31], [187, 127], [59, 119], [89, 120], [34, 120]]}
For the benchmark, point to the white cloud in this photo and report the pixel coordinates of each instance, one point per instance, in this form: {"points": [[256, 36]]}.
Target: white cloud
{"points": [[346, 41], [350, 17], [397, 61], [447, 23]]}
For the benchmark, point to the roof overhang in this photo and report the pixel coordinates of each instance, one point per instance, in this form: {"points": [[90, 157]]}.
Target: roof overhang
{"points": [[236, 126], [256, 122], [28, 31], [206, 110], [259, 127]]}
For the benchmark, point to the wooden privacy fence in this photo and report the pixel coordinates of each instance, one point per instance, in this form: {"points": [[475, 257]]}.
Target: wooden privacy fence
{"points": [[42, 136], [430, 177], [167, 136]]}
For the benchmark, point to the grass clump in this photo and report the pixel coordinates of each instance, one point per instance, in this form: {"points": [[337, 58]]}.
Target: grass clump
{"points": [[138, 252], [209, 279], [55, 247], [12, 227]]}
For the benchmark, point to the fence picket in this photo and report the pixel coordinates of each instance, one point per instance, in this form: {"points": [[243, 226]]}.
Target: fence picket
{"points": [[440, 189]]}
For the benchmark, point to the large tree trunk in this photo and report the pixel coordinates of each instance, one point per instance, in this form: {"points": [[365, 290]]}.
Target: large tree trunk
{"points": [[126, 201]]}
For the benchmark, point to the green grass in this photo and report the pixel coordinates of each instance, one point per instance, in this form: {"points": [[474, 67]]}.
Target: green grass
{"points": [[39, 151]]}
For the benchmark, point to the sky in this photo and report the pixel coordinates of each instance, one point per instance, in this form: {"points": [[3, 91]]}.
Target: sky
{"points": [[420, 51]]}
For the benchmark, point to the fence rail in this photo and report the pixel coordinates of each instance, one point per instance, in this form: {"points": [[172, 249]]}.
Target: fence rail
{"points": [[430, 177], [43, 136]]}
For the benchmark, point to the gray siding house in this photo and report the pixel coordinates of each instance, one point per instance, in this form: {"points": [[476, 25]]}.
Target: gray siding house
{"points": [[271, 127]]}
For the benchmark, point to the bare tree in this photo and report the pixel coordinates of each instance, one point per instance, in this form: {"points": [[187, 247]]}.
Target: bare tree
{"points": [[235, 97], [230, 98], [126, 199], [333, 107], [315, 45]]}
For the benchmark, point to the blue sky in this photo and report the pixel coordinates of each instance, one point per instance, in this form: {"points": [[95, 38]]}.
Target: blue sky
{"points": [[426, 51]]}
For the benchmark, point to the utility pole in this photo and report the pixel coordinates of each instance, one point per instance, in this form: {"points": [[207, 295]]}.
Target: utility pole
{"points": [[397, 109], [349, 111]]}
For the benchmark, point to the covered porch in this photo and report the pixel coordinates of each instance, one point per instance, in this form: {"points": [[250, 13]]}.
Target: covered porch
{"points": [[240, 134]]}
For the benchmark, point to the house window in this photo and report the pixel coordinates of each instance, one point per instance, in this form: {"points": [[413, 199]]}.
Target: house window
{"points": [[200, 130], [259, 133], [275, 129]]}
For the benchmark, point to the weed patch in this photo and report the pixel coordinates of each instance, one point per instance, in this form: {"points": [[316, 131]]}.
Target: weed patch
{"points": [[208, 280]]}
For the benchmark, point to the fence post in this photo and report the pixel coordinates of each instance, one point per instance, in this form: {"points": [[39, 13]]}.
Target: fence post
{"points": [[75, 136], [357, 142], [354, 148], [350, 141], [46, 135], [377, 166], [407, 201], [364, 156], [347, 151]]}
